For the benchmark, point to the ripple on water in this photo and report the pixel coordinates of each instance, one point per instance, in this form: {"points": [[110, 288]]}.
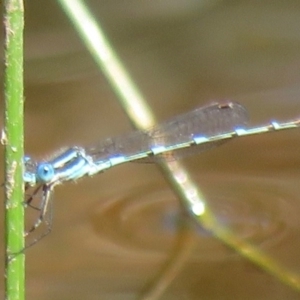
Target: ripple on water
{"points": [[149, 220]]}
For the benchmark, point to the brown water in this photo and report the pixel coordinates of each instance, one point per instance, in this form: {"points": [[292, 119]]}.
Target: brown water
{"points": [[123, 234]]}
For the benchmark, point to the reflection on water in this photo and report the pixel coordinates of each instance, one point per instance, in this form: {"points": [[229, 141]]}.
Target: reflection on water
{"points": [[147, 221], [130, 235]]}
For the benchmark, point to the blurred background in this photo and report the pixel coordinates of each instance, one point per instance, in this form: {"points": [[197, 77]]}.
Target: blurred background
{"points": [[115, 234]]}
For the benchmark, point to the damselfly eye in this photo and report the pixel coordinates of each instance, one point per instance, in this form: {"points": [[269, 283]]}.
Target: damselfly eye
{"points": [[44, 172]]}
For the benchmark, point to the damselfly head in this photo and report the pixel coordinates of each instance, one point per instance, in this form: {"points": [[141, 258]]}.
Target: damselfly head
{"points": [[44, 172]]}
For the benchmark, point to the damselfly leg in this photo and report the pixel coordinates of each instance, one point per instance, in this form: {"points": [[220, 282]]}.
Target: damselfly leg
{"points": [[39, 199]]}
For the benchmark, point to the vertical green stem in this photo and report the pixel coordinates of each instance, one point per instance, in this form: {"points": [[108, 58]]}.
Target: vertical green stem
{"points": [[13, 139]]}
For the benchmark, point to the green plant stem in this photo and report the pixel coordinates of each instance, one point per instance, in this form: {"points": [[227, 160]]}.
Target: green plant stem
{"points": [[13, 140], [135, 105]]}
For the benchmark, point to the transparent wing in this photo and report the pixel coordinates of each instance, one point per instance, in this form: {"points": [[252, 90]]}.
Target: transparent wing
{"points": [[205, 121]]}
